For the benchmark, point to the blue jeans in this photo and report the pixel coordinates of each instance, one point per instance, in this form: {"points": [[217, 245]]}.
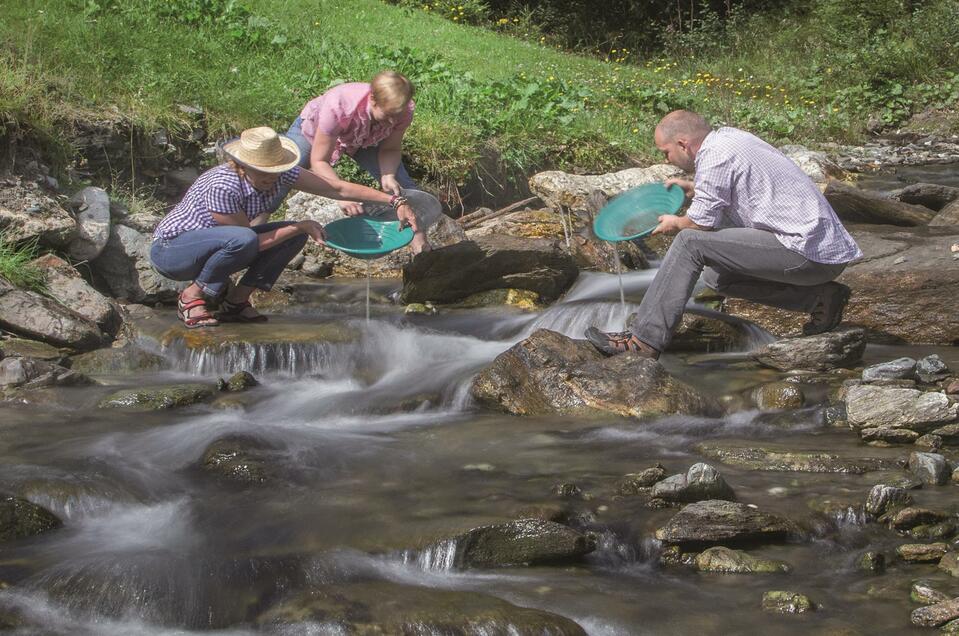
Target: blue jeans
{"points": [[209, 256], [367, 158]]}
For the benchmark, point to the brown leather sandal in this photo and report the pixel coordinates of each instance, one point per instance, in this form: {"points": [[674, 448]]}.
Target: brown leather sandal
{"points": [[194, 313], [612, 343]]}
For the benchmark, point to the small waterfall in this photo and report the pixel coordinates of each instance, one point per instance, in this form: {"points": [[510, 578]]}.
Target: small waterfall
{"points": [[611, 551], [439, 557], [572, 319], [282, 358]]}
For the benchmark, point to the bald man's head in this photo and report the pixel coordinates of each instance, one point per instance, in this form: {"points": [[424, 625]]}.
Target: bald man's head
{"points": [[679, 135]]}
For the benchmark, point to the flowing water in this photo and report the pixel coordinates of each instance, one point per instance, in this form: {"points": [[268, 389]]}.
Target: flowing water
{"points": [[378, 453]]}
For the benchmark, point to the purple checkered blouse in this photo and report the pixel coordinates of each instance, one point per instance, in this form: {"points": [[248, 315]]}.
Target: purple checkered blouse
{"points": [[741, 181], [223, 191]]}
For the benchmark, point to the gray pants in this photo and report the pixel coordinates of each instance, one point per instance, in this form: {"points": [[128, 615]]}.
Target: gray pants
{"points": [[740, 262]]}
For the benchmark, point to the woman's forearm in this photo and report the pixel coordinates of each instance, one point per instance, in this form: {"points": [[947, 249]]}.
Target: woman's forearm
{"points": [[277, 236], [389, 160], [336, 188]]}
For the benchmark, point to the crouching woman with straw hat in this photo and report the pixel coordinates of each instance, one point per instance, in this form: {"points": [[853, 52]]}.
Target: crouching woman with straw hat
{"points": [[221, 226]]}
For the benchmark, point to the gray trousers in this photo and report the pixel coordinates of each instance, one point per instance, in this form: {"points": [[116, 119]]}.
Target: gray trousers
{"points": [[740, 262]]}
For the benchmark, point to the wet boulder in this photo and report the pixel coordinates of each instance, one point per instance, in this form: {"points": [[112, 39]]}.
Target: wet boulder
{"points": [[937, 614], [641, 482], [378, 607], [947, 217], [886, 436], [840, 348], [155, 398], [869, 406], [549, 373], [521, 542], [700, 482], [241, 381], [950, 563], [452, 273], [784, 602], [922, 552], [92, 208], [872, 562], [930, 468], [19, 518], [924, 593], [883, 498], [125, 267], [64, 284], [724, 522], [912, 517], [899, 369], [37, 317], [30, 373], [917, 264], [727, 560], [778, 396], [240, 459], [117, 360], [28, 213]]}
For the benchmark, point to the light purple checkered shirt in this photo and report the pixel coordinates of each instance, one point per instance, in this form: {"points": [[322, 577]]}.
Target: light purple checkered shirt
{"points": [[221, 190], [741, 181]]}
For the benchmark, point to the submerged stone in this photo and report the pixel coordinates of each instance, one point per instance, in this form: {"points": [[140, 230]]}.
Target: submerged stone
{"points": [[20, 518], [722, 559], [934, 531], [872, 562], [723, 522], [889, 435], [158, 397], [779, 395], [241, 381], [950, 563], [117, 360], [378, 607], [781, 458], [238, 458], [787, 602]]}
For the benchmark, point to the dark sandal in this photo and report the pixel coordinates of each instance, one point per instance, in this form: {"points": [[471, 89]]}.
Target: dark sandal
{"points": [[616, 342], [195, 319], [233, 312]]}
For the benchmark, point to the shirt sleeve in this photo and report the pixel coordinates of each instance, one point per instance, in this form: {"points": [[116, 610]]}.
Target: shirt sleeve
{"points": [[326, 118], [713, 185], [288, 178], [220, 198]]}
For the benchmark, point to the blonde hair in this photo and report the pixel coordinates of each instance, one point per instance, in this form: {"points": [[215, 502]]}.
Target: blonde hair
{"points": [[391, 90]]}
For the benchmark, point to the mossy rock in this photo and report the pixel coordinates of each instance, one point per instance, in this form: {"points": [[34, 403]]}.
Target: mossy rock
{"points": [[241, 381], [519, 298], [156, 398], [779, 395], [19, 518], [30, 349], [787, 602], [376, 608], [723, 559], [116, 361]]}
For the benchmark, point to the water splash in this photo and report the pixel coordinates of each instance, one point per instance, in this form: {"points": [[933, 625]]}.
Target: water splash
{"points": [[281, 358]]}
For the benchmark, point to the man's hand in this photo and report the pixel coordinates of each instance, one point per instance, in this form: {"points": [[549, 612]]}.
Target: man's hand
{"points": [[685, 184], [351, 208], [314, 230], [390, 184], [670, 224], [405, 214]]}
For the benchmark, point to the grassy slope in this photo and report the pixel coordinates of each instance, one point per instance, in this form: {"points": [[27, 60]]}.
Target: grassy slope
{"points": [[59, 60]]}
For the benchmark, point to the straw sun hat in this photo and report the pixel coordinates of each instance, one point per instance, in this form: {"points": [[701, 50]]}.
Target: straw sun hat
{"points": [[264, 150]]}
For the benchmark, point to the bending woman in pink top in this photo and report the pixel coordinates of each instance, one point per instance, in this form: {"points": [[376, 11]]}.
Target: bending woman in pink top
{"points": [[366, 122]]}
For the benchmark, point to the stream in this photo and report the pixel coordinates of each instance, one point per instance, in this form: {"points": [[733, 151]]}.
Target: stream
{"points": [[377, 450]]}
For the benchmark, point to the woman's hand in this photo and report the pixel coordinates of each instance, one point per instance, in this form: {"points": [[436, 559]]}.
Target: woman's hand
{"points": [[390, 184], [314, 230], [405, 214], [685, 184], [351, 208]]}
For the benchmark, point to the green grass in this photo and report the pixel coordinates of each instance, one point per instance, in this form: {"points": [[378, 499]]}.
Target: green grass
{"points": [[15, 265], [486, 103]]}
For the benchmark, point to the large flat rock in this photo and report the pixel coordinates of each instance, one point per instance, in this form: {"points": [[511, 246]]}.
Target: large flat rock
{"points": [[904, 290], [722, 522]]}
